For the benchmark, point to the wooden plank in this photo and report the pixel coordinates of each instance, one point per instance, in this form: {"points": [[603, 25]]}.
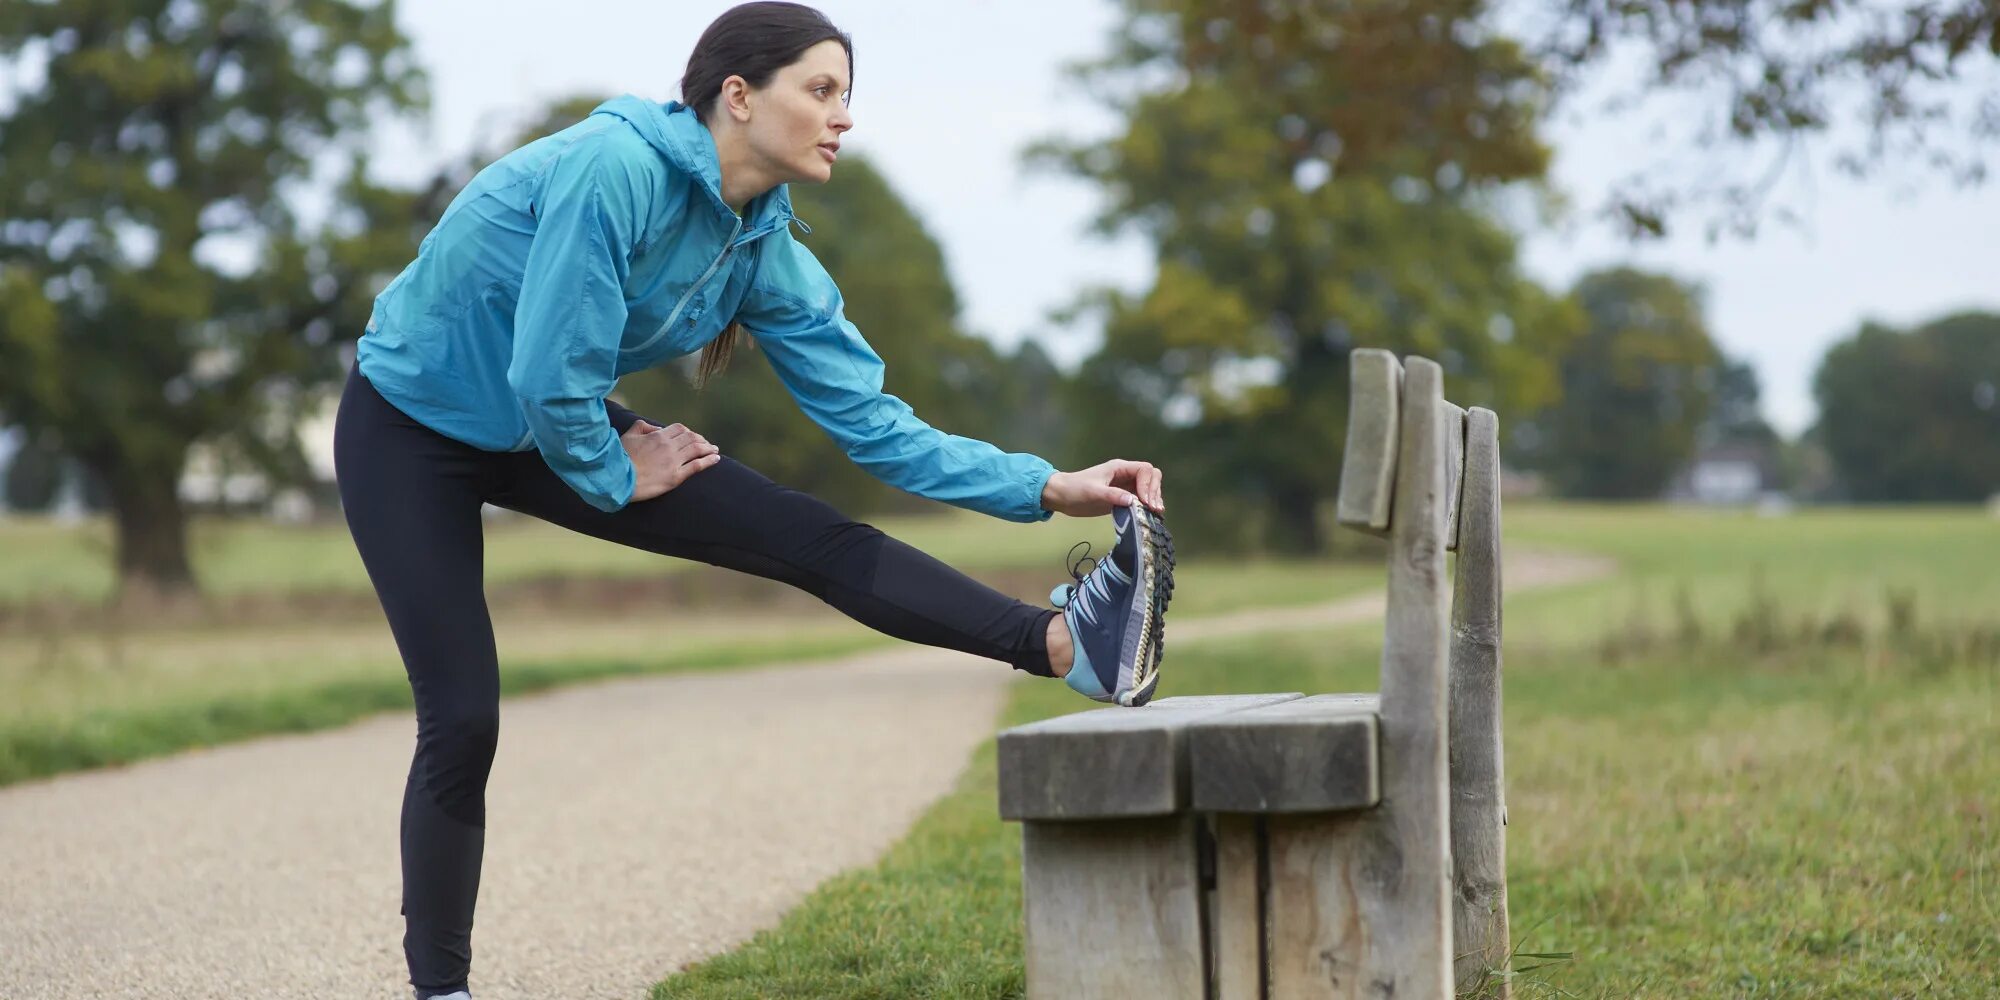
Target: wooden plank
{"points": [[1368, 462], [1108, 763], [1454, 470], [1315, 754], [1478, 793], [1377, 916], [1112, 908], [1318, 934], [1236, 926]]}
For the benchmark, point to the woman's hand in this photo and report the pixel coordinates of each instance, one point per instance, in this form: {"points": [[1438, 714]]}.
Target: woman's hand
{"points": [[664, 457], [1094, 491]]}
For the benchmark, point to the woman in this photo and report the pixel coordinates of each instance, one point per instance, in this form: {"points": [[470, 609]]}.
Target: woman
{"points": [[642, 234]]}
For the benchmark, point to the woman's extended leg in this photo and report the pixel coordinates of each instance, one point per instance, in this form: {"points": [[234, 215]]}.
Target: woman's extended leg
{"points": [[412, 500], [732, 516]]}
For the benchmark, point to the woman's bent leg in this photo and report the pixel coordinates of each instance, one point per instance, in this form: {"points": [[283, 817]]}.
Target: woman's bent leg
{"points": [[412, 499], [732, 516]]}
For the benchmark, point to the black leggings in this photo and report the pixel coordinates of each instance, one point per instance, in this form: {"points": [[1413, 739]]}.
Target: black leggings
{"points": [[412, 499]]}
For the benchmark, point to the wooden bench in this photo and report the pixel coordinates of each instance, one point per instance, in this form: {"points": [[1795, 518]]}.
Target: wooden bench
{"points": [[1266, 846]]}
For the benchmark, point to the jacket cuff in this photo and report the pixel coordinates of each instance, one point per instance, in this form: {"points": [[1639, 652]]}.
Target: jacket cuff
{"points": [[1037, 479]]}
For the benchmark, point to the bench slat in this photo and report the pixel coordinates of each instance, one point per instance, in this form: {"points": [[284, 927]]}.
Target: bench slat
{"points": [[1108, 763], [1316, 754]]}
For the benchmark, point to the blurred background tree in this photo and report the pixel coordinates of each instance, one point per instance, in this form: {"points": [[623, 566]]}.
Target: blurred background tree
{"points": [[187, 224], [1914, 415], [1314, 177], [1638, 388]]}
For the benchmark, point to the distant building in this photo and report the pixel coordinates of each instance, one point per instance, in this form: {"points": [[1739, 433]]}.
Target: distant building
{"points": [[1735, 474]]}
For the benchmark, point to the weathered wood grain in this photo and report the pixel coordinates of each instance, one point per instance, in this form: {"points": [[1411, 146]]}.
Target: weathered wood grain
{"points": [[1112, 909], [1375, 918], [1454, 471], [1108, 763], [1478, 803], [1313, 754], [1368, 463], [1237, 918]]}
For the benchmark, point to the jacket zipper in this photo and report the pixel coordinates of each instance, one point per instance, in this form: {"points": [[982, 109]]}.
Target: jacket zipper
{"points": [[728, 247]]}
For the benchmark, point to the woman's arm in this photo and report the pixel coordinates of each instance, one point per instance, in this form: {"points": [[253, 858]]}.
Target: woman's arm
{"points": [[794, 311], [570, 315]]}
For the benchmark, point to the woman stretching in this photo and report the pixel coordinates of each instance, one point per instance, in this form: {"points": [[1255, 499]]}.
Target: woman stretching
{"points": [[644, 233]]}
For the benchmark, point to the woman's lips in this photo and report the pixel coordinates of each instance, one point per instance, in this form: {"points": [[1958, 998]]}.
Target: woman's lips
{"points": [[830, 152]]}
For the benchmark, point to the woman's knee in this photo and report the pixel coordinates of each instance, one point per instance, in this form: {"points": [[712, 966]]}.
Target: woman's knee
{"points": [[455, 755]]}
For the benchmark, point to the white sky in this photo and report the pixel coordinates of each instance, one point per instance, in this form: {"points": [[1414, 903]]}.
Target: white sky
{"points": [[947, 94]]}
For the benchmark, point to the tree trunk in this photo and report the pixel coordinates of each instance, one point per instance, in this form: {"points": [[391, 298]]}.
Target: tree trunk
{"points": [[151, 529], [1295, 527]]}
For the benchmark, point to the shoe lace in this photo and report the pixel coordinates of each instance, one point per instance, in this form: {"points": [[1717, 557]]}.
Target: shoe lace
{"points": [[1083, 599], [1078, 560]]}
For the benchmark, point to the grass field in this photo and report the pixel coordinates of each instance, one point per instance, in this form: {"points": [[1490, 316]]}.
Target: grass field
{"points": [[1780, 785]]}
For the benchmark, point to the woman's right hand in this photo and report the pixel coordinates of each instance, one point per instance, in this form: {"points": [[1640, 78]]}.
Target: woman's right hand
{"points": [[664, 457]]}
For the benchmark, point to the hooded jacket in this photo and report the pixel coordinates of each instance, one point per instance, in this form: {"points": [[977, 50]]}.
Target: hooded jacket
{"points": [[606, 248]]}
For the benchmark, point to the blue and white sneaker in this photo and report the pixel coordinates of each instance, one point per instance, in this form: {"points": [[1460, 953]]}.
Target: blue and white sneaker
{"points": [[1117, 614]]}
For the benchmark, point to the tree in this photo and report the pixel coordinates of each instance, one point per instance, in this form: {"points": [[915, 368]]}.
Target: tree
{"points": [[34, 477], [160, 282], [1315, 177], [1637, 389], [1914, 415], [1883, 84], [1736, 414]]}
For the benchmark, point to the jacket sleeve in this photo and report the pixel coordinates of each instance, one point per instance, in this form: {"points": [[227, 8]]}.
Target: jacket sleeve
{"points": [[571, 315], [794, 311]]}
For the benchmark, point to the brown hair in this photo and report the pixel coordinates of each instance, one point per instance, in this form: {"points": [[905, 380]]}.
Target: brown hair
{"points": [[715, 357], [754, 41]]}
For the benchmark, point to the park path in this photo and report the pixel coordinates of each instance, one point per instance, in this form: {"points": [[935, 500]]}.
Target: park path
{"points": [[633, 826]]}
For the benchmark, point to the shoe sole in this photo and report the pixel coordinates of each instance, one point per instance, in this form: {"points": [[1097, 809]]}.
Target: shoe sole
{"points": [[1149, 602]]}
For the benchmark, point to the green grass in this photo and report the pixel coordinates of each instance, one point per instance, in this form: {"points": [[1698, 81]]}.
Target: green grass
{"points": [[1701, 818], [1821, 561]]}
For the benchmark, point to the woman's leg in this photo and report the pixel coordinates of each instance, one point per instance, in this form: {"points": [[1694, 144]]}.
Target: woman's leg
{"points": [[731, 516], [412, 500]]}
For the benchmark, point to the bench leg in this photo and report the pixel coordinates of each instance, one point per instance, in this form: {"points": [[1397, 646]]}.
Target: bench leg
{"points": [[1113, 909]]}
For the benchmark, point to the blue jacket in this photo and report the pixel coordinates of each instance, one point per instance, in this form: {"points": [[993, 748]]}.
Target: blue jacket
{"points": [[606, 248]]}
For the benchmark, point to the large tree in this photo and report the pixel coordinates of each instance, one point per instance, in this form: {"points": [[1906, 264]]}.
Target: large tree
{"points": [[1914, 415], [1315, 177], [188, 230], [1638, 388]]}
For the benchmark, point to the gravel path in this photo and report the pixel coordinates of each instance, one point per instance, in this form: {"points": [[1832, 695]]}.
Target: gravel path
{"points": [[633, 826]]}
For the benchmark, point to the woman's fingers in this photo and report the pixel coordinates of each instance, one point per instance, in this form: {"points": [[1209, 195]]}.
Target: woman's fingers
{"points": [[1145, 479]]}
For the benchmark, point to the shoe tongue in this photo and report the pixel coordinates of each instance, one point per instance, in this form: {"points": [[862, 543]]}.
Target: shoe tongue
{"points": [[1125, 554]]}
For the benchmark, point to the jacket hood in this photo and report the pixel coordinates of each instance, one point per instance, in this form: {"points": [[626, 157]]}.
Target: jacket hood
{"points": [[685, 142]]}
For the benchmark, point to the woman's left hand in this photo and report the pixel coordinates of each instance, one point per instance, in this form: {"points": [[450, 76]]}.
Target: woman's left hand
{"points": [[1094, 491]]}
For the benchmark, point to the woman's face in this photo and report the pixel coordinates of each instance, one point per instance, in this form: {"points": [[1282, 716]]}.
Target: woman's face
{"points": [[797, 119]]}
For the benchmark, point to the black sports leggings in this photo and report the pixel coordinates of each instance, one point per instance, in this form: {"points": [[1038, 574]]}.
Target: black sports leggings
{"points": [[412, 499]]}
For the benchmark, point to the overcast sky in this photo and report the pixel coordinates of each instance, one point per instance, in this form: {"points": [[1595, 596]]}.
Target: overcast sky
{"points": [[947, 94]]}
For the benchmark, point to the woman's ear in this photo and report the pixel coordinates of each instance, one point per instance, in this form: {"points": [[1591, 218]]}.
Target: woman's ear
{"points": [[736, 99]]}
